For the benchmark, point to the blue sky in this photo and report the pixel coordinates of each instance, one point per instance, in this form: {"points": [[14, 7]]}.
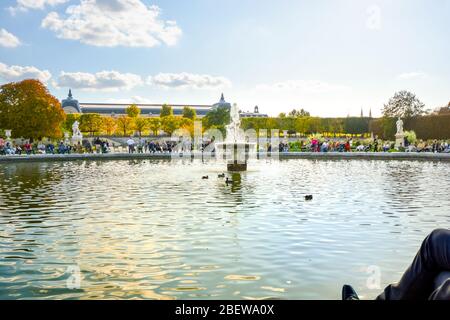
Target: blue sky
{"points": [[330, 57]]}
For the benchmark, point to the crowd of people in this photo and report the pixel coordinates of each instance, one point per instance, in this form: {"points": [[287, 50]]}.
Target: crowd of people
{"points": [[368, 145], [26, 147], [141, 145], [151, 146]]}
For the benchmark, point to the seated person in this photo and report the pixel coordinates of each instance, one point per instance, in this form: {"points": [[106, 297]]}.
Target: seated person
{"points": [[360, 148], [9, 149], [62, 148], [428, 277], [41, 148]]}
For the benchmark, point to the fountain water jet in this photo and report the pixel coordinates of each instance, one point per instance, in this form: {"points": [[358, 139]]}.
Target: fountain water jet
{"points": [[235, 150]]}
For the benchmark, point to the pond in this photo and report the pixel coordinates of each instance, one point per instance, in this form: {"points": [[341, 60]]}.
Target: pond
{"points": [[154, 229]]}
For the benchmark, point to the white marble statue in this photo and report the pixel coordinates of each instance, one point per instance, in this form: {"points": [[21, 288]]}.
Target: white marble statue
{"points": [[75, 129], [399, 126], [400, 135], [77, 137]]}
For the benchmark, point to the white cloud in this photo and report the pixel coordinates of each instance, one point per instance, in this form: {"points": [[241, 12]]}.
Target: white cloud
{"points": [[188, 80], [100, 81], [24, 5], [18, 73], [320, 98], [112, 23], [304, 86], [8, 40], [411, 75]]}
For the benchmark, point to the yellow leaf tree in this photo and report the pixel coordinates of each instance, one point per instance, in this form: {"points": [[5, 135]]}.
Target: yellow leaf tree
{"points": [[30, 111], [140, 125], [125, 124], [133, 111], [109, 125], [154, 125]]}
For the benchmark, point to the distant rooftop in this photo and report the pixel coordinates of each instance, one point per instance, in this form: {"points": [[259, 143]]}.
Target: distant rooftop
{"points": [[70, 105]]}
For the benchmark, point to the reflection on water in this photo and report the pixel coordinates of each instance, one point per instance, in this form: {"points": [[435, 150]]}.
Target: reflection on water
{"points": [[156, 230]]}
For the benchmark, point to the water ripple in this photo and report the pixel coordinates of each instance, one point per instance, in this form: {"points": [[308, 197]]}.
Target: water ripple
{"points": [[156, 230]]}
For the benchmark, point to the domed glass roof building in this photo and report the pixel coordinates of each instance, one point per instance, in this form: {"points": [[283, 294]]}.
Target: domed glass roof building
{"points": [[70, 105], [221, 104]]}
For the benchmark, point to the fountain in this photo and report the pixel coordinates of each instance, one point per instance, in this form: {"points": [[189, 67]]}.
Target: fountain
{"points": [[235, 150]]}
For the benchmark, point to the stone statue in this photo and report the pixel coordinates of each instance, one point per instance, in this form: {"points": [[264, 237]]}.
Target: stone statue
{"points": [[400, 135], [77, 137], [399, 126]]}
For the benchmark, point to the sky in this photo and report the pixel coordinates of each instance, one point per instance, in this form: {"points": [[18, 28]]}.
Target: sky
{"points": [[330, 57]]}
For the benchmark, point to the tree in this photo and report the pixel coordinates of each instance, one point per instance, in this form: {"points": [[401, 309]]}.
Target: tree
{"points": [[70, 119], [187, 124], [299, 113], [30, 111], [301, 125], [217, 117], [125, 124], [154, 124], [189, 113], [91, 122], [404, 104], [140, 125], [166, 111], [133, 111], [109, 125], [170, 123], [443, 110], [282, 115]]}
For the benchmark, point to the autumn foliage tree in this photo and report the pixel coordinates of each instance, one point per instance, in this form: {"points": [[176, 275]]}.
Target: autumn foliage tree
{"points": [[91, 122], [70, 119], [140, 125], [109, 125], [154, 124], [125, 124], [30, 111], [189, 113], [133, 111], [166, 111], [170, 123]]}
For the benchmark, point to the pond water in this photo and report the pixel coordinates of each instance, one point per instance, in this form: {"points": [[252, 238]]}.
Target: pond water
{"points": [[156, 230]]}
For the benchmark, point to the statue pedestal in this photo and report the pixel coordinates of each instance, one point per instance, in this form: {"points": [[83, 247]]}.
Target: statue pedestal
{"points": [[236, 167], [76, 140], [236, 154], [399, 140]]}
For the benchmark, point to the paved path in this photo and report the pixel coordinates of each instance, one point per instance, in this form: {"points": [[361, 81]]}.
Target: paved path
{"points": [[288, 155]]}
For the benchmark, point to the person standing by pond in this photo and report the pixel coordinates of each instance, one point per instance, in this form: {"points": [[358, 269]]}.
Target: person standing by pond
{"points": [[130, 143]]}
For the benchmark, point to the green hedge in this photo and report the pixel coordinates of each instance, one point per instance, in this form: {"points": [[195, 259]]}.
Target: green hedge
{"points": [[309, 125], [428, 127]]}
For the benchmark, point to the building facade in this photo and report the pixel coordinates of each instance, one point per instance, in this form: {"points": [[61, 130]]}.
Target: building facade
{"points": [[71, 105], [254, 114]]}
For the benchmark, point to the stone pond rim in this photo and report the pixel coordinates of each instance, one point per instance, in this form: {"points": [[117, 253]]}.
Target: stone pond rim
{"points": [[444, 157]]}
